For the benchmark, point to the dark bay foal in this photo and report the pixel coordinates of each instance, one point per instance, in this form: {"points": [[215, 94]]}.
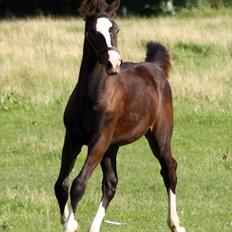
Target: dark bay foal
{"points": [[113, 104]]}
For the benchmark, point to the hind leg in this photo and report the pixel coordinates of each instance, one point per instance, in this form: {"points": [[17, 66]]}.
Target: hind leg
{"points": [[109, 183], [159, 140], [69, 154]]}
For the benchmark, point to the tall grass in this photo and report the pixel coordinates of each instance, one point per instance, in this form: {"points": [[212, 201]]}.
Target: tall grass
{"points": [[40, 58]]}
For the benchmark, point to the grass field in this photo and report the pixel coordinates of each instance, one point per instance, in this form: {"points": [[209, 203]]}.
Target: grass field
{"points": [[39, 64]]}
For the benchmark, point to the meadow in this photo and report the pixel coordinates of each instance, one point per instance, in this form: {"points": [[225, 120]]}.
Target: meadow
{"points": [[39, 65]]}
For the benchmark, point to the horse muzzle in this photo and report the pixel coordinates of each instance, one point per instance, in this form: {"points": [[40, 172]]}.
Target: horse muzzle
{"points": [[114, 63]]}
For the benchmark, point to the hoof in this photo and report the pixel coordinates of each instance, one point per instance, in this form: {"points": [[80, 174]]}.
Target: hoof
{"points": [[181, 229], [78, 229], [178, 229], [74, 227]]}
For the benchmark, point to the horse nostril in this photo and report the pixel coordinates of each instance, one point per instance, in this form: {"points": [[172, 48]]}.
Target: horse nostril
{"points": [[109, 65]]}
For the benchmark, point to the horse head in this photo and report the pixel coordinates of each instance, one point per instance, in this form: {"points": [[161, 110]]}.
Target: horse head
{"points": [[101, 32]]}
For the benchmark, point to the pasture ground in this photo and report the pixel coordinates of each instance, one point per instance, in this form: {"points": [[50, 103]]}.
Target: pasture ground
{"points": [[39, 64]]}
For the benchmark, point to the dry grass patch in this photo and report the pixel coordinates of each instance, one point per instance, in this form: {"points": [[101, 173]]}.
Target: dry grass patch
{"points": [[40, 58]]}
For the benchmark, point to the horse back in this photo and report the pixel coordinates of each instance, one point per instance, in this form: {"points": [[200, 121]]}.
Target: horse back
{"points": [[146, 95]]}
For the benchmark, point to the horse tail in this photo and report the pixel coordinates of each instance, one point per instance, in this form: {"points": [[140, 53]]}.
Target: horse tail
{"points": [[159, 54]]}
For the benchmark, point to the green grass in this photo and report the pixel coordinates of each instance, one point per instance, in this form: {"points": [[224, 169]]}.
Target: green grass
{"points": [[39, 62]]}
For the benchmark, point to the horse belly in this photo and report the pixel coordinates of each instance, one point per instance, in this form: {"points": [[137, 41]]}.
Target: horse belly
{"points": [[130, 128]]}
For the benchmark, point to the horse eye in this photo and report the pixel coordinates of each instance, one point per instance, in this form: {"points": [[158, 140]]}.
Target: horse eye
{"points": [[111, 31], [116, 30]]}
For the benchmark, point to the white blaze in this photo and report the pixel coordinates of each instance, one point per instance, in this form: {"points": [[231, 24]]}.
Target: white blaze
{"points": [[103, 26]]}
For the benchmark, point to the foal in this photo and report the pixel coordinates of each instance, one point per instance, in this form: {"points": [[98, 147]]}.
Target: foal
{"points": [[114, 104]]}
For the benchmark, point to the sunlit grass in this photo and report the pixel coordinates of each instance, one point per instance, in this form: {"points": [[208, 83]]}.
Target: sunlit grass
{"points": [[40, 58]]}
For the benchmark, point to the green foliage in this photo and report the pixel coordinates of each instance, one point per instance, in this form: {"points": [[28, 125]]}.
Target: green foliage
{"points": [[70, 7], [197, 3], [192, 49]]}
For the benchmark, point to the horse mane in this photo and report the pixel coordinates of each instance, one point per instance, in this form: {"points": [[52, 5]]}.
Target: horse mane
{"points": [[95, 8]]}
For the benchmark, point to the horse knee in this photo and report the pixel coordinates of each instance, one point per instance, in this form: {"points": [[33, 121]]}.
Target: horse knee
{"points": [[109, 187], [168, 172], [77, 189], [174, 164], [61, 188]]}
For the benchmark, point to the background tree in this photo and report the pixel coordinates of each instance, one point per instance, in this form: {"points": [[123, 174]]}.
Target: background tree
{"points": [[70, 7]]}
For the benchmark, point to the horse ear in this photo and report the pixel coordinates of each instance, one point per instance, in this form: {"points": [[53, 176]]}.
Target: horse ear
{"points": [[87, 8], [113, 7]]}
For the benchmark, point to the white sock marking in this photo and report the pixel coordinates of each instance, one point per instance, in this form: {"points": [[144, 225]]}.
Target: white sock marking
{"points": [[64, 217], [71, 224], [173, 219], [96, 224]]}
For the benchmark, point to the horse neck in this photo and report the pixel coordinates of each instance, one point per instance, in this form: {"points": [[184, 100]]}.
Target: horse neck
{"points": [[89, 64]]}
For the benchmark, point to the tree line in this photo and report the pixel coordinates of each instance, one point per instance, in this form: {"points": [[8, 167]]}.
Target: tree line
{"points": [[70, 7]]}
